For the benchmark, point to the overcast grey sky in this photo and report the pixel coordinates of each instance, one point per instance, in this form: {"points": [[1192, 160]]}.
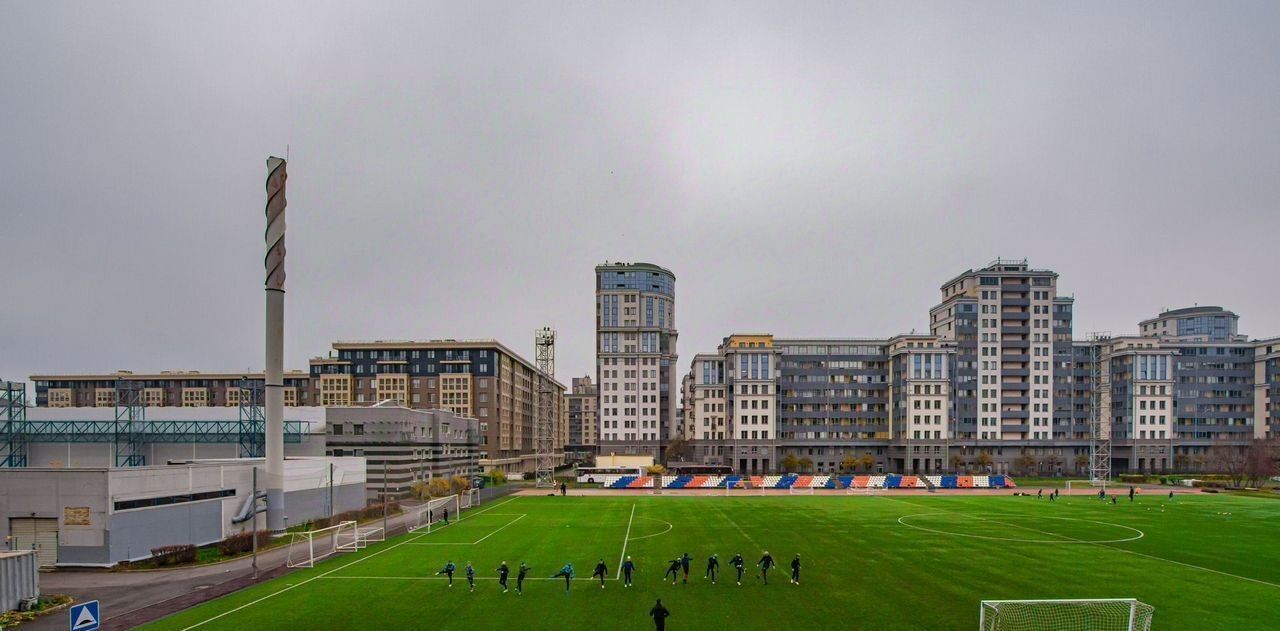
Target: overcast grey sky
{"points": [[458, 169]]}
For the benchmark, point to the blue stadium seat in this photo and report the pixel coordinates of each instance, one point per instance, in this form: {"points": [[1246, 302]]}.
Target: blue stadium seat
{"points": [[623, 482], [996, 481], [949, 482]]}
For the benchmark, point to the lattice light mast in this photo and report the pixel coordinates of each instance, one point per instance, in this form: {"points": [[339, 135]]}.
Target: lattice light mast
{"points": [[544, 425], [1100, 408], [274, 375]]}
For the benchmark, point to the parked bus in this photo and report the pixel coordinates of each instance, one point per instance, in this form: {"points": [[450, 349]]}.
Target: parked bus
{"points": [[699, 469], [593, 475]]}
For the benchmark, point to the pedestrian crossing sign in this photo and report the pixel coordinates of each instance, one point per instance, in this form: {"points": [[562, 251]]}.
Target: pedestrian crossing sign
{"points": [[85, 616]]}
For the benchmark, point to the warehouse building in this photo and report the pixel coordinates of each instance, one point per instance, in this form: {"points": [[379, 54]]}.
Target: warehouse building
{"points": [[100, 516]]}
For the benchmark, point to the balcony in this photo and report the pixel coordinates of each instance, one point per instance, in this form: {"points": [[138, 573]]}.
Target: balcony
{"points": [[1015, 330], [1015, 343], [1015, 400], [1015, 287], [1016, 414], [1015, 385], [1014, 302], [1015, 372], [1015, 315], [1021, 358]]}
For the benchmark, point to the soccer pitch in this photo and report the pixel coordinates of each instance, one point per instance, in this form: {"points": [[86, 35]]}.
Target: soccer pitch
{"points": [[877, 562]]}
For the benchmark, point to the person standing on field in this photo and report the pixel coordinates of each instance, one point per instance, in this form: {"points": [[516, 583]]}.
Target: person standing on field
{"points": [[601, 571], [674, 570], [659, 614], [685, 560], [1131, 492], [795, 570], [448, 570], [567, 573], [503, 571], [713, 564], [627, 568], [524, 570], [765, 563], [738, 564], [471, 576]]}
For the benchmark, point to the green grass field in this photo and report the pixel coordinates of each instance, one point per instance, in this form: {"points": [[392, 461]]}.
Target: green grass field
{"points": [[880, 562]]}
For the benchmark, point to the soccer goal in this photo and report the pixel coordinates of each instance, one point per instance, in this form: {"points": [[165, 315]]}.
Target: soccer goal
{"points": [[470, 498], [1105, 614], [1088, 485], [305, 548], [435, 511], [364, 535], [863, 490], [730, 485], [808, 490]]}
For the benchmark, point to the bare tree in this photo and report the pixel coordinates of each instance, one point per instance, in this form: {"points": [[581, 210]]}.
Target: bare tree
{"points": [[806, 464], [677, 450], [1260, 461], [849, 464], [1230, 461], [984, 461]]}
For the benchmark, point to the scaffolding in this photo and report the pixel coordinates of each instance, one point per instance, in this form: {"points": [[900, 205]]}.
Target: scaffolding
{"points": [[253, 420], [544, 425], [147, 432], [13, 413], [131, 413], [1100, 409]]}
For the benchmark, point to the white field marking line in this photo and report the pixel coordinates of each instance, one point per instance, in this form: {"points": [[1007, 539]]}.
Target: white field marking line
{"points": [[735, 525], [300, 584], [476, 543], [1068, 541], [622, 557], [456, 578], [670, 526], [1141, 554]]}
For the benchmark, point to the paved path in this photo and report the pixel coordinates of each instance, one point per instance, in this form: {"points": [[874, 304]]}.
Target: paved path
{"points": [[125, 594]]}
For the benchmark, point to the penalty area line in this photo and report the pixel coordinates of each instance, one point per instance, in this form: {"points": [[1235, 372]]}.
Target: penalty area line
{"points": [[300, 584], [1109, 547], [623, 557]]}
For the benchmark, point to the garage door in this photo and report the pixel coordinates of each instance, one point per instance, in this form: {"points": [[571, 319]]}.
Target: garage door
{"points": [[36, 534]]}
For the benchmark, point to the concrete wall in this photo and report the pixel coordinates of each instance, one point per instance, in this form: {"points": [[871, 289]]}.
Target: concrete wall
{"points": [[19, 578], [93, 532]]}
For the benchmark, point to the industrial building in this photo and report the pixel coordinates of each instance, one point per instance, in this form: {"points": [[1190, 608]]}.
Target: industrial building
{"points": [[99, 516]]}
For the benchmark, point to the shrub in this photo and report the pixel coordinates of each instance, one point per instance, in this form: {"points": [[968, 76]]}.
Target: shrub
{"points": [[458, 484], [242, 542], [174, 555], [496, 477], [438, 487]]}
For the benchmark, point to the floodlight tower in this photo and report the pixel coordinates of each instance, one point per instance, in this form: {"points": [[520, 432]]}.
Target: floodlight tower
{"points": [[273, 381], [544, 426], [1100, 408]]}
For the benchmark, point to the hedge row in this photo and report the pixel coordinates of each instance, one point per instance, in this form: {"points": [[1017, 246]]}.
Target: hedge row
{"points": [[174, 555], [243, 542], [371, 511]]}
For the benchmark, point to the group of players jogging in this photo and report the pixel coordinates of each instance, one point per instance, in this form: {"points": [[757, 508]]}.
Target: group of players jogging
{"points": [[676, 567]]}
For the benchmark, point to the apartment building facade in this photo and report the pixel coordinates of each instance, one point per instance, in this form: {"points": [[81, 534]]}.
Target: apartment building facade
{"points": [[998, 383], [177, 388], [636, 359], [402, 446], [480, 379], [584, 422]]}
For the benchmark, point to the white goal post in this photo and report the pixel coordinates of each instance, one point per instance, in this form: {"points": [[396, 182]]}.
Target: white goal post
{"points": [[433, 512], [470, 499], [808, 490], [1085, 484], [1103, 614], [305, 548]]}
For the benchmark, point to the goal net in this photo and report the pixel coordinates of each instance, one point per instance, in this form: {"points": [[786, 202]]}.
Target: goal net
{"points": [[1108, 614], [1089, 486], [469, 498], [305, 548], [434, 512], [794, 490], [730, 485]]}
